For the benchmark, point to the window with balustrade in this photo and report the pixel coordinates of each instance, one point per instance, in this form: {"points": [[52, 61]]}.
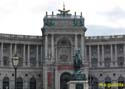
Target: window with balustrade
{"points": [[94, 62], [107, 49], [107, 62], [6, 61], [120, 61], [94, 51], [120, 48]]}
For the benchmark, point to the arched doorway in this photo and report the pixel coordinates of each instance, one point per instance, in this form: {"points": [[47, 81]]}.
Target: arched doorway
{"points": [[19, 83], [6, 83], [107, 81], [32, 83], [65, 77], [121, 81], [93, 82]]}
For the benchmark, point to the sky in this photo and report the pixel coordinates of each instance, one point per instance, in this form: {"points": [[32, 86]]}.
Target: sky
{"points": [[25, 17]]}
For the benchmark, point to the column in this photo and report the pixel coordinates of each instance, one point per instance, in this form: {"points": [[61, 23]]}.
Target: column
{"points": [[15, 49], [115, 55], [1, 83], [82, 48], [11, 84], [102, 55], [1, 54], [124, 54], [56, 54], [37, 56], [90, 56], [76, 42], [111, 52], [45, 77], [85, 55], [46, 46], [98, 51], [11, 54], [24, 56], [26, 84], [52, 47], [41, 55], [28, 56]]}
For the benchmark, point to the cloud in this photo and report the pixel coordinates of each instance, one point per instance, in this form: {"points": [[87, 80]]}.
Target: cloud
{"points": [[115, 13], [26, 16], [39, 6], [95, 30], [7, 6]]}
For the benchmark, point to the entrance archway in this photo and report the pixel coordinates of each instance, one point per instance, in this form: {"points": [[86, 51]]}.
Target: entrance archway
{"points": [[65, 77], [121, 81], [6, 83]]}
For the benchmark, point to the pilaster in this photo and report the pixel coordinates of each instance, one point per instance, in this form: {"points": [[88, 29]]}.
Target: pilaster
{"points": [[98, 52], [24, 56], [45, 81], [111, 52], [28, 56], [1, 54], [76, 42], [52, 46], [15, 49], [116, 55], [82, 48], [124, 54], [37, 56], [10, 55], [46, 46], [90, 56], [102, 55]]}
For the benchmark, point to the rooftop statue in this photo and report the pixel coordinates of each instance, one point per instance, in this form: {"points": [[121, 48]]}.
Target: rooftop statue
{"points": [[63, 12]]}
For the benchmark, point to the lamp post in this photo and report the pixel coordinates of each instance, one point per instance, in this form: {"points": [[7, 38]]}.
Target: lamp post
{"points": [[15, 62]]}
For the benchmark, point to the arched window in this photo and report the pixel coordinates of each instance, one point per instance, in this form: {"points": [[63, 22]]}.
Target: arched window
{"points": [[107, 81], [19, 83], [6, 83], [64, 50], [32, 83], [121, 81], [65, 77], [93, 82]]}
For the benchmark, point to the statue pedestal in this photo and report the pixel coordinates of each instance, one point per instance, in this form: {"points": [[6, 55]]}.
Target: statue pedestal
{"points": [[75, 84]]}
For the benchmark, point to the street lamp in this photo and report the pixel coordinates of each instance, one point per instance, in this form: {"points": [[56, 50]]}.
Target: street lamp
{"points": [[15, 62]]}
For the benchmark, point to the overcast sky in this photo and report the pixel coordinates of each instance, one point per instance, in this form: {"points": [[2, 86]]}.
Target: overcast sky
{"points": [[102, 17]]}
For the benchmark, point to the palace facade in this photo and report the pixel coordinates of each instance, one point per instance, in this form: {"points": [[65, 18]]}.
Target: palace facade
{"points": [[46, 62]]}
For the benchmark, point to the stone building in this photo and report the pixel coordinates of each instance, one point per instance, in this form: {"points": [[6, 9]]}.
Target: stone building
{"points": [[46, 62]]}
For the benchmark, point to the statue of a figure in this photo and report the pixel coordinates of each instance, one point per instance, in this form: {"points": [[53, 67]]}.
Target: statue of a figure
{"points": [[78, 75], [77, 60]]}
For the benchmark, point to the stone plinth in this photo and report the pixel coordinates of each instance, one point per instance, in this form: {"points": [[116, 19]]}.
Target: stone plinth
{"points": [[72, 84]]}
